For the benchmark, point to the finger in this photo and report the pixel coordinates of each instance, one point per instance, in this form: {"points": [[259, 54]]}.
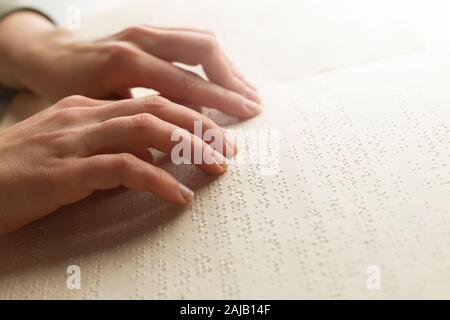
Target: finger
{"points": [[193, 48], [186, 103], [142, 131], [187, 29], [168, 111], [182, 85], [103, 172], [78, 101], [236, 72]]}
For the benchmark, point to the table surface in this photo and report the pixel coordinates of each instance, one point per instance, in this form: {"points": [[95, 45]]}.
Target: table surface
{"points": [[362, 111]]}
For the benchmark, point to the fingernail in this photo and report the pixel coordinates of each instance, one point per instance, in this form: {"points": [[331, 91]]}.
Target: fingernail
{"points": [[220, 160], [230, 151], [231, 148], [253, 107], [186, 193], [252, 95]]}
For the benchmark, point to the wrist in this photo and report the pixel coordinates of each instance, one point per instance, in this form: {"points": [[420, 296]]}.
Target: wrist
{"points": [[37, 61], [22, 34]]}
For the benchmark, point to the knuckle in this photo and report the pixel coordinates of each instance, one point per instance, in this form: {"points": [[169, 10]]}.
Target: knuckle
{"points": [[72, 101], [210, 43], [66, 116], [155, 101], [120, 50], [130, 33], [133, 30], [144, 121], [189, 82], [122, 162]]}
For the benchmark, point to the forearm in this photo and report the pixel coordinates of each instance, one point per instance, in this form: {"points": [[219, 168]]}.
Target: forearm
{"points": [[56, 62], [19, 32]]}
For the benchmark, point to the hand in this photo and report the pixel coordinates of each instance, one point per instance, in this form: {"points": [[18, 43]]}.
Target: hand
{"points": [[55, 63], [79, 145]]}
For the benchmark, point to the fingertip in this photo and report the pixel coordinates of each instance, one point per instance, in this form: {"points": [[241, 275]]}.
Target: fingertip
{"points": [[230, 150], [253, 96], [217, 170], [220, 165], [251, 109], [186, 194]]}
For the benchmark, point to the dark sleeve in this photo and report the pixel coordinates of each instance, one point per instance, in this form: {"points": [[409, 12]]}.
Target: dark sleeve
{"points": [[8, 6]]}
